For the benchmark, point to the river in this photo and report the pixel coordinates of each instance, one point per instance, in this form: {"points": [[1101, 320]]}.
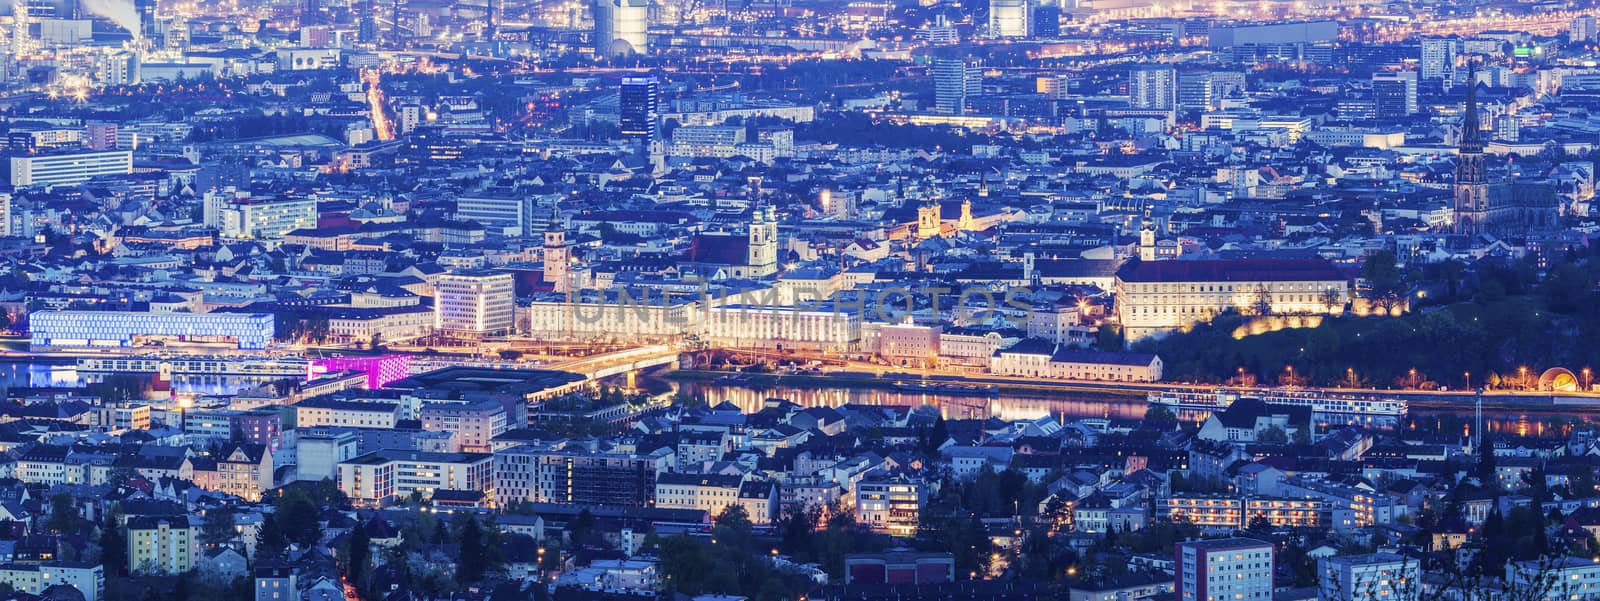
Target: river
{"points": [[1006, 405], [1066, 407]]}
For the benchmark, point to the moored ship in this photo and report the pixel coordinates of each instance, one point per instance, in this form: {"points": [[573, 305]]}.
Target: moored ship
{"points": [[1318, 401]]}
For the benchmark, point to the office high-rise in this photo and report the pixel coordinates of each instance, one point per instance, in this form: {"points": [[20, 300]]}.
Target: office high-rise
{"points": [[1584, 29], [1046, 20], [1394, 94], [1008, 18], [639, 109], [619, 27], [1153, 87], [148, 28], [474, 303], [956, 81]]}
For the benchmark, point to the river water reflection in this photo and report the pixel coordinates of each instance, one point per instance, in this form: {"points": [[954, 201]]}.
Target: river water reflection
{"points": [[1010, 406]]}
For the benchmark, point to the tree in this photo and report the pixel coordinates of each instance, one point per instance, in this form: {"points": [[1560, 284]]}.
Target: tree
{"points": [[64, 516], [271, 540], [734, 517], [1273, 434], [217, 528], [685, 564], [180, 589], [937, 435], [359, 555], [297, 516], [1486, 472], [1262, 305], [1330, 299], [474, 559], [113, 544], [1260, 524], [582, 529], [1581, 481], [1385, 282]]}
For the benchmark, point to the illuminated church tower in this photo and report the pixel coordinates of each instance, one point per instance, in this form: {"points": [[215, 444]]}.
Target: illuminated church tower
{"points": [[557, 256], [763, 234]]}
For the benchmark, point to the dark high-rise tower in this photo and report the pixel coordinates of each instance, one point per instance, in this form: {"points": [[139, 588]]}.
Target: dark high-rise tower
{"points": [[1471, 185], [367, 25], [147, 20], [639, 108], [310, 12]]}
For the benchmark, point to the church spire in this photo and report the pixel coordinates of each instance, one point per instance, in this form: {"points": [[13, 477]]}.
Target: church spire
{"points": [[1471, 131]]}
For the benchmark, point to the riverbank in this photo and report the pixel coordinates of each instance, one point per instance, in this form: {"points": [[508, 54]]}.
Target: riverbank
{"points": [[904, 382], [977, 386]]}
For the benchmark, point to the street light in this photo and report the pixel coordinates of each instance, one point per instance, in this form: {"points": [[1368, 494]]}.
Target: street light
{"points": [[1586, 374], [1523, 377]]}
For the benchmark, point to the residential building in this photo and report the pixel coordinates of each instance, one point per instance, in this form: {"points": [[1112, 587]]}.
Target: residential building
{"points": [[1370, 577], [576, 475], [474, 423], [165, 545], [1238, 569], [382, 477], [1153, 87], [88, 578], [890, 504]]}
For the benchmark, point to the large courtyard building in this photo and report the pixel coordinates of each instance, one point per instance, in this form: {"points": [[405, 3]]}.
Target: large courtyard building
{"points": [[1157, 297]]}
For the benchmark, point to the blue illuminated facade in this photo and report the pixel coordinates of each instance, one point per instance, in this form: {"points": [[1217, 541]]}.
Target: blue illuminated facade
{"points": [[80, 329]]}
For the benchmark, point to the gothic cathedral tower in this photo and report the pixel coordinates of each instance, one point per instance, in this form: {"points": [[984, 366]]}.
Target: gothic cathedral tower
{"points": [[557, 257], [1472, 211]]}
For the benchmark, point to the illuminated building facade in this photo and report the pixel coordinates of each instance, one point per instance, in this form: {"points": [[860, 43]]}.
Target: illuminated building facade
{"points": [[474, 303], [80, 329], [639, 108], [380, 477], [619, 27], [575, 475], [1233, 512], [890, 505], [69, 168], [1156, 297], [380, 370], [1369, 576]]}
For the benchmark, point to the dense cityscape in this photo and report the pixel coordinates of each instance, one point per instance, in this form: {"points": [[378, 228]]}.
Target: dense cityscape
{"points": [[793, 300]]}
